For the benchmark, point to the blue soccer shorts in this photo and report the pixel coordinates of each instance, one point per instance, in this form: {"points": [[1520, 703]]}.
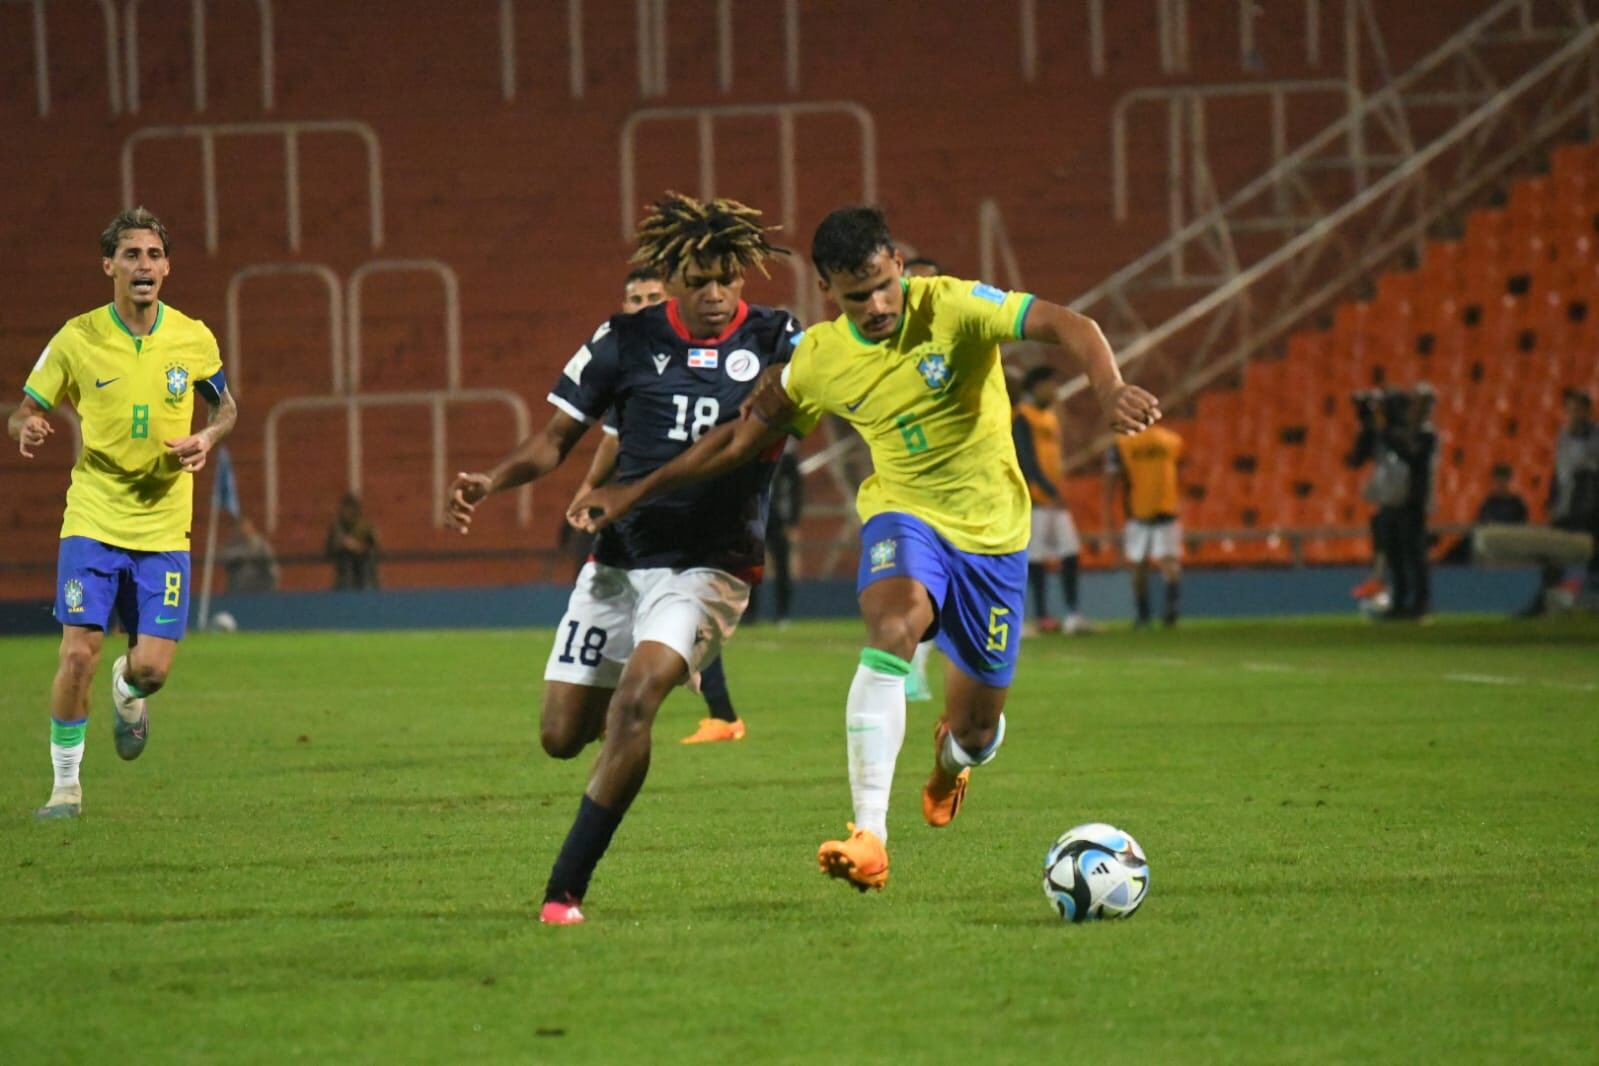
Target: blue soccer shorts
{"points": [[978, 599], [148, 590]]}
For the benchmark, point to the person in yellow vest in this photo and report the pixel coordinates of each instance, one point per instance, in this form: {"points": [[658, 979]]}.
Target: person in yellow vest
{"points": [[1144, 466], [131, 368], [1054, 544]]}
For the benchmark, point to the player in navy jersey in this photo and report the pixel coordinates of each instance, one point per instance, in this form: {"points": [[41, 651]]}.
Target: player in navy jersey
{"points": [[668, 584], [643, 288]]}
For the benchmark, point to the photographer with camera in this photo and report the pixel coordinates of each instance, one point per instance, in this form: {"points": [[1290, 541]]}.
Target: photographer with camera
{"points": [[1396, 435]]}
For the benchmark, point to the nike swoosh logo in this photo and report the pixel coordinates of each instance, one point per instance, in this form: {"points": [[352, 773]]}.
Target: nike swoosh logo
{"points": [[164, 621], [102, 384], [853, 407], [861, 729]]}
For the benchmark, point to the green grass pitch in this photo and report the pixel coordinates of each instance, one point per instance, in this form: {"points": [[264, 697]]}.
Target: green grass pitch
{"points": [[1367, 843]]}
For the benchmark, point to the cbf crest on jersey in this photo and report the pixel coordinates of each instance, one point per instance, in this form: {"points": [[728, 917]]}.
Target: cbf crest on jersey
{"points": [[177, 383], [72, 593], [934, 369]]}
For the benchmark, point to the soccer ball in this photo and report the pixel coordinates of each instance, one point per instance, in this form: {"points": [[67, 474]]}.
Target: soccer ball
{"points": [[1095, 871]]}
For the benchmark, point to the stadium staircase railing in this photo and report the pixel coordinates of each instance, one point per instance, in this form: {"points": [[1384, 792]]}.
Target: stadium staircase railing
{"points": [[208, 134], [1290, 241], [348, 397], [197, 52], [41, 55]]}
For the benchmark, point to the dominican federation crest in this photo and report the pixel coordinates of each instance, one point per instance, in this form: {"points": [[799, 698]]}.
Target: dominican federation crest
{"points": [[177, 383], [934, 369], [882, 555], [72, 595]]}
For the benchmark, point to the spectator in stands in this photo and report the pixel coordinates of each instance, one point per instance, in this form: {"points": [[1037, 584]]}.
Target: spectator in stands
{"points": [[352, 547], [1503, 505], [1054, 544], [248, 561], [1573, 488], [782, 515]]}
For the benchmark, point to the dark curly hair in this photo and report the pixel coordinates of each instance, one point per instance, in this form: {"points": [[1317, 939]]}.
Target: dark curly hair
{"points": [[677, 230]]}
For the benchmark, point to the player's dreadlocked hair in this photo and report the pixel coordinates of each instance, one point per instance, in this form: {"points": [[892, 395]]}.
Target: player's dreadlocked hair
{"points": [[678, 230]]}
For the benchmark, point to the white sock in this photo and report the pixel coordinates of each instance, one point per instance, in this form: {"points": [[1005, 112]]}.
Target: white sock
{"points": [[954, 758], [66, 752], [919, 660], [875, 720], [126, 694]]}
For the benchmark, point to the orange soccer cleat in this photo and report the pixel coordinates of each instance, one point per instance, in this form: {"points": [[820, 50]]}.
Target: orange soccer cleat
{"points": [[715, 730], [944, 792], [862, 860]]}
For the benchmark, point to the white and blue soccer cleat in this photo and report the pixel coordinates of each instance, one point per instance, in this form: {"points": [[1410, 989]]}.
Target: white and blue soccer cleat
{"points": [[64, 803], [130, 725]]}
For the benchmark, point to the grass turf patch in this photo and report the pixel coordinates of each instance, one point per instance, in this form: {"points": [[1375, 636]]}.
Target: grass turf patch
{"points": [[1372, 842]]}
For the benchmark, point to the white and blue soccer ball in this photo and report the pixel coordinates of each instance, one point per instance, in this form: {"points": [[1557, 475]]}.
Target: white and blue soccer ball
{"points": [[1095, 871]]}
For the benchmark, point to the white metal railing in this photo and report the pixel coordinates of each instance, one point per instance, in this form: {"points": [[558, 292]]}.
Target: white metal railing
{"points": [[1282, 200], [290, 132], [451, 287], [436, 401], [1186, 138], [705, 118], [650, 32], [508, 49], [1410, 197], [650, 19], [994, 249], [1171, 35], [41, 55], [330, 282], [67, 415], [197, 52]]}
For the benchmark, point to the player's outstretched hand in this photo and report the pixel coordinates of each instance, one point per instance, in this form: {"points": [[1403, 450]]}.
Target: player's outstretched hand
{"points": [[1131, 409], [190, 451], [769, 400], [594, 511], [34, 431], [466, 492]]}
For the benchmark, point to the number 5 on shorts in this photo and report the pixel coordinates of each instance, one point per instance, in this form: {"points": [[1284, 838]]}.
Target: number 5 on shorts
{"points": [[998, 630]]}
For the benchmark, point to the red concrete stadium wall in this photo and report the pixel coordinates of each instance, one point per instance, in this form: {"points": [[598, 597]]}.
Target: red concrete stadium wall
{"points": [[521, 199]]}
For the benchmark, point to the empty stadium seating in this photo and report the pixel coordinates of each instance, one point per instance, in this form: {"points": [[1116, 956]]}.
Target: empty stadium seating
{"points": [[1500, 323], [501, 158]]}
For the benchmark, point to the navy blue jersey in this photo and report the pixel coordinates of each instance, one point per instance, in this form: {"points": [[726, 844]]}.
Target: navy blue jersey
{"points": [[665, 390]]}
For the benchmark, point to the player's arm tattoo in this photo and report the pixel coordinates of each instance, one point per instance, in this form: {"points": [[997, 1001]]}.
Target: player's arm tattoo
{"points": [[769, 402], [224, 416], [724, 448]]}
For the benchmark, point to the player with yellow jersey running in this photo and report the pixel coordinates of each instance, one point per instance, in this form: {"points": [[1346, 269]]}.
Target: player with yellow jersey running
{"points": [[914, 365], [131, 369]]}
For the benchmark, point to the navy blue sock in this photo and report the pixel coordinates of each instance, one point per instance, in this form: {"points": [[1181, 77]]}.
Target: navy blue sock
{"points": [[713, 686], [585, 846]]}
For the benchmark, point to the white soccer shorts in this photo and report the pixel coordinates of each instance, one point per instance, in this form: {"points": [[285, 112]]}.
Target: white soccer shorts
{"points": [[1054, 535], [612, 611], [1152, 540]]}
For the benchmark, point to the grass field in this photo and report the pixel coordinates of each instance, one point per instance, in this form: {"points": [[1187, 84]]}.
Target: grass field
{"points": [[1367, 843]]}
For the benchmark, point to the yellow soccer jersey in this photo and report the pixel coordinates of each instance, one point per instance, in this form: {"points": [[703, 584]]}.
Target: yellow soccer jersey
{"points": [[131, 394], [930, 402]]}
